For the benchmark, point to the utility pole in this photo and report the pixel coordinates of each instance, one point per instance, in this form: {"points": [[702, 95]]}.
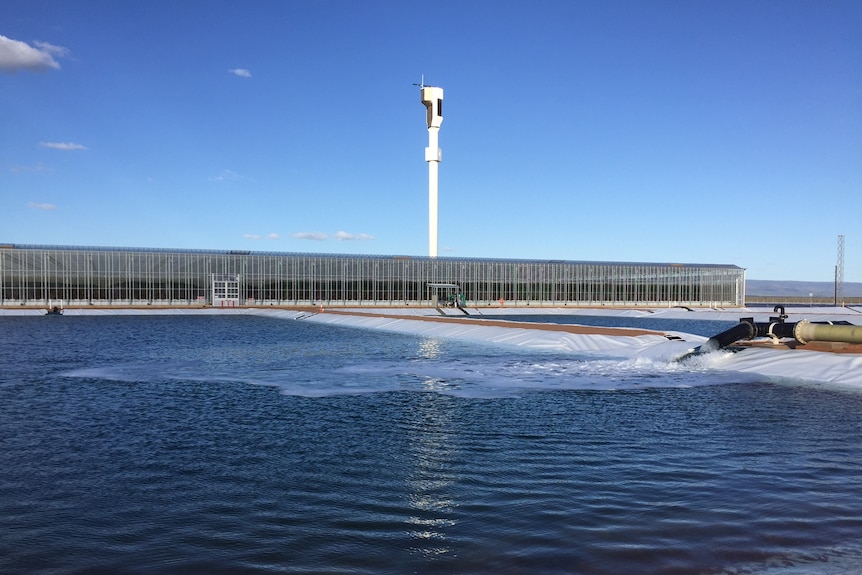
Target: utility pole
{"points": [[839, 273]]}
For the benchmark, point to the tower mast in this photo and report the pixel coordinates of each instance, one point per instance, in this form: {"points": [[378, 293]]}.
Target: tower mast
{"points": [[432, 98]]}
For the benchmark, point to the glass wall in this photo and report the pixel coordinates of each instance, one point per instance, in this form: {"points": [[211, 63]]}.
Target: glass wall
{"points": [[51, 275]]}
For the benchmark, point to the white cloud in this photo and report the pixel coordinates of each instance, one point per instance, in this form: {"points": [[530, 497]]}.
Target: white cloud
{"points": [[349, 236], [321, 236], [241, 72], [17, 55], [226, 175], [41, 206], [51, 49], [260, 237], [230, 176], [40, 167], [65, 146], [316, 236]]}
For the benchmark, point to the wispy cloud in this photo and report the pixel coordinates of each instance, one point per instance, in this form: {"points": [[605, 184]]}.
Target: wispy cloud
{"points": [[316, 236], [16, 55], [229, 176], [65, 146], [349, 236], [40, 167], [241, 72], [52, 49], [41, 206], [260, 237], [322, 236]]}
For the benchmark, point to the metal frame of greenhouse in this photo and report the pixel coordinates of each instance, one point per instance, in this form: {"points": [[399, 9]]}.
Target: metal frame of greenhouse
{"points": [[32, 275]]}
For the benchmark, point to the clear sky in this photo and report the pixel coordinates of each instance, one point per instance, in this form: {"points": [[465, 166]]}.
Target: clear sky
{"points": [[651, 131]]}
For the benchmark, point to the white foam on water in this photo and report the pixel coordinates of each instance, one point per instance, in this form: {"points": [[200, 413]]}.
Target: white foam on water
{"points": [[484, 375], [501, 377], [117, 373]]}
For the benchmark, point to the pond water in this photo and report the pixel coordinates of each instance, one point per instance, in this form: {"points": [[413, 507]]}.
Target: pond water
{"points": [[242, 444]]}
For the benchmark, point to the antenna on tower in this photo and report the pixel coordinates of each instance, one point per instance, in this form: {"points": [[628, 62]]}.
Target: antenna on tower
{"points": [[839, 273], [421, 83]]}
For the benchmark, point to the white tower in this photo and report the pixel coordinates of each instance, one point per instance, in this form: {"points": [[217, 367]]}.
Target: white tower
{"points": [[433, 99]]}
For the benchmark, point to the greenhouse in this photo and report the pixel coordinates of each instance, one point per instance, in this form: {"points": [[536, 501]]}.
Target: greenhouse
{"points": [[32, 275]]}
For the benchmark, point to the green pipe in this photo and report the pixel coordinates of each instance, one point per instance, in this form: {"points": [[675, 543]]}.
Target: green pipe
{"points": [[806, 331]]}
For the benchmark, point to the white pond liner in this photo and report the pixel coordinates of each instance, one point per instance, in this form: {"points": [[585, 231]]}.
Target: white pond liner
{"points": [[835, 368]]}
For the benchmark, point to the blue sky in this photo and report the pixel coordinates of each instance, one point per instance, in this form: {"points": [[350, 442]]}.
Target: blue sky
{"points": [[652, 131]]}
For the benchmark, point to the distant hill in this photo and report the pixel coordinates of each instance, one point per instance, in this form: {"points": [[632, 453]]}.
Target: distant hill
{"points": [[799, 289]]}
